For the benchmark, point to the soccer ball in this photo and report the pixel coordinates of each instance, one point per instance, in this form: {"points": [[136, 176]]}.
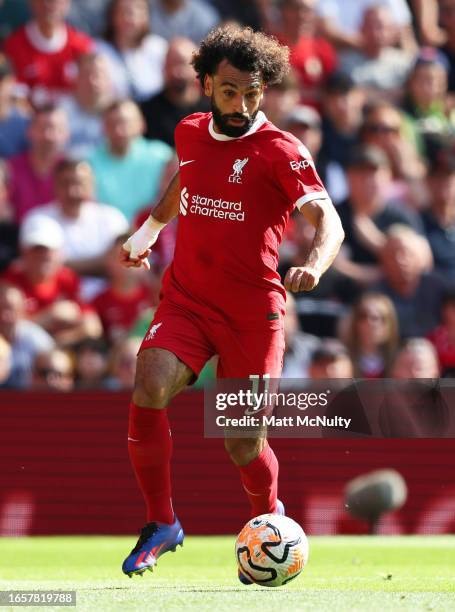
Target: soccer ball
{"points": [[271, 550]]}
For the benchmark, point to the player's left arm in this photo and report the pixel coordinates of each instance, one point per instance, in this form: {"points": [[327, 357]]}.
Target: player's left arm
{"points": [[326, 243]]}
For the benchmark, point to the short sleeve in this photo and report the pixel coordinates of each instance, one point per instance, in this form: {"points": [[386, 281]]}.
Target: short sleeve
{"points": [[177, 139], [296, 174]]}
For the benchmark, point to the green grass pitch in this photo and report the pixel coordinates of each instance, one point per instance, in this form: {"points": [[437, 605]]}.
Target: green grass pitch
{"points": [[343, 573]]}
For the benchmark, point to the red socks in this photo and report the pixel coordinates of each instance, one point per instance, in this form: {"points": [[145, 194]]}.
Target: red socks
{"points": [[260, 481], [150, 450]]}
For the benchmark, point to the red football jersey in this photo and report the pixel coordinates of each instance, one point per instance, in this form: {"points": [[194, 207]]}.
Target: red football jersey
{"points": [[51, 67], [235, 201]]}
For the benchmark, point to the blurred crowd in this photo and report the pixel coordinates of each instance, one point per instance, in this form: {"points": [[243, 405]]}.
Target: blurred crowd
{"points": [[90, 94]]}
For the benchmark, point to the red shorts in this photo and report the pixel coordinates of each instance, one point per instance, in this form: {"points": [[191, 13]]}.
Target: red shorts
{"points": [[194, 340]]}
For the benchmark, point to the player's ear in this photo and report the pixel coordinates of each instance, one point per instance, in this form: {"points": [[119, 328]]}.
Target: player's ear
{"points": [[208, 85]]}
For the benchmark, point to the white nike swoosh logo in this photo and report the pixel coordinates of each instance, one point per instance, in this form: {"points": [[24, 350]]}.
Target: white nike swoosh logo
{"points": [[182, 163], [133, 439]]}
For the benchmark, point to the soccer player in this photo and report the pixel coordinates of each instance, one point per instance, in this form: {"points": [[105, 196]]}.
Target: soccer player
{"points": [[239, 179]]}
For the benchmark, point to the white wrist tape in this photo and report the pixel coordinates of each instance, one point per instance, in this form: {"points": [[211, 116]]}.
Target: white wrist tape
{"points": [[143, 238]]}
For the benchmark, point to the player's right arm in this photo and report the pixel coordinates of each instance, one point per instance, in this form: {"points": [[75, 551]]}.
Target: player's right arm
{"points": [[137, 248]]}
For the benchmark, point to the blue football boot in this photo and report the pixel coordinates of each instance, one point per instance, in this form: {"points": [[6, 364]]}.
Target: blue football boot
{"points": [[155, 540], [279, 510]]}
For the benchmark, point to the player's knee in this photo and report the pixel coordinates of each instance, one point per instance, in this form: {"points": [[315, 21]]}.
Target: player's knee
{"points": [[244, 450], [152, 394]]}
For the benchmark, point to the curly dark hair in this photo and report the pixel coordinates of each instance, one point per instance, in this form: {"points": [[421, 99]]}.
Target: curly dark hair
{"points": [[245, 49]]}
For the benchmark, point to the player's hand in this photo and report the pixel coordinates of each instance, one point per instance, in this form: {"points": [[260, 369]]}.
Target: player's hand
{"points": [[140, 261], [303, 278], [136, 249]]}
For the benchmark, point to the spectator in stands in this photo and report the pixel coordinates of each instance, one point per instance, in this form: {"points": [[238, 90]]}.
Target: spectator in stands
{"points": [[414, 408], [45, 50], [312, 56], [305, 123], [181, 95], [91, 365], [26, 338], [371, 334], [443, 337], [136, 57], [88, 227], [126, 297], [190, 18], [90, 16], [415, 292], [299, 346], [280, 99], [5, 362], [331, 360], [128, 167], [51, 290], [342, 19], [123, 364], [9, 231], [343, 104], [52, 371], [426, 103], [14, 120], [378, 65], [93, 92], [367, 214], [417, 358], [439, 217], [447, 18], [31, 173], [384, 127]]}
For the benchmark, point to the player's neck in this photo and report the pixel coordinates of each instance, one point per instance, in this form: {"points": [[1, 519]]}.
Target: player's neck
{"points": [[216, 128]]}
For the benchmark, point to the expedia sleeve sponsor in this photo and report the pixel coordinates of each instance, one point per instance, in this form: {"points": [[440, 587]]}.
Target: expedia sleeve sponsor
{"points": [[296, 173]]}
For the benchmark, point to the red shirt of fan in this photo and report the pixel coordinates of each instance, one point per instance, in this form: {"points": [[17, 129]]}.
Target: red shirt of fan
{"points": [[313, 59], [444, 347], [118, 312], [64, 285], [236, 195], [46, 64]]}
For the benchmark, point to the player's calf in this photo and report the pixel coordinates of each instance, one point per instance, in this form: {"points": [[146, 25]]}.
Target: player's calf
{"points": [[244, 450]]}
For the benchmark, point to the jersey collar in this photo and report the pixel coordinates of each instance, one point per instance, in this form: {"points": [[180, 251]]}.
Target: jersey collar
{"points": [[46, 45], [258, 122]]}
